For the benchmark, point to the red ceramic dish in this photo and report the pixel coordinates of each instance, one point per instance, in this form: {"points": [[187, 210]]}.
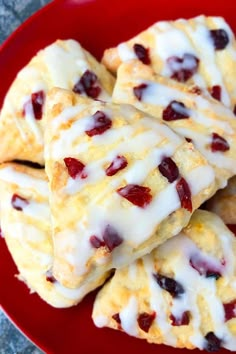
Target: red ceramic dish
{"points": [[97, 24]]}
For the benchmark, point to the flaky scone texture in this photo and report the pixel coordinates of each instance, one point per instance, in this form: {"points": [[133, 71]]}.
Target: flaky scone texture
{"points": [[209, 125], [26, 227], [182, 294], [110, 203], [64, 63], [199, 51]]}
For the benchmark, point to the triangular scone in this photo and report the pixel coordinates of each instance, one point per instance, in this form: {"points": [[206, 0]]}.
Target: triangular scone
{"points": [[26, 226], [110, 203], [199, 51], [182, 294], [223, 203], [209, 125], [64, 64]]}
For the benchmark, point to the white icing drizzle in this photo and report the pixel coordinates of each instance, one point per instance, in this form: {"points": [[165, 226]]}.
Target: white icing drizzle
{"points": [[192, 38], [30, 119], [64, 63], [128, 317], [125, 52], [24, 181], [100, 321], [157, 94], [157, 303], [202, 40], [153, 140], [35, 241], [174, 258]]}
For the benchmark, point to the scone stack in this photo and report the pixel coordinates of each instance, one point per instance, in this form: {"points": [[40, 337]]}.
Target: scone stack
{"points": [[123, 165]]}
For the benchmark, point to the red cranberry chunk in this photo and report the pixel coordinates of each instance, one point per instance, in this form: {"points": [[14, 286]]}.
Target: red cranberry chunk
{"points": [[101, 123], [203, 268], [213, 343], [169, 284], [184, 193], [234, 110], [138, 91], [215, 92], [50, 277], [119, 163], [75, 167], [37, 102], [116, 317], [220, 38], [183, 320], [111, 238], [169, 169], [96, 242], [189, 140], [142, 53], [18, 202], [145, 320], [183, 68], [135, 194], [174, 111], [219, 143], [88, 84], [230, 310]]}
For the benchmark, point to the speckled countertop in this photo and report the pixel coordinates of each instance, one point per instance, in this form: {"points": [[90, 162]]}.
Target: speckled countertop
{"points": [[12, 14]]}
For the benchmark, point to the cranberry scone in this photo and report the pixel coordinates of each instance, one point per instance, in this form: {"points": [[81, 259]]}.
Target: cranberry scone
{"points": [[223, 203], [64, 64], [120, 182], [204, 121], [198, 51], [26, 227], [182, 294]]}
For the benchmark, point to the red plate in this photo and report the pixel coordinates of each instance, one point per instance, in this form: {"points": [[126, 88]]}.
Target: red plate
{"points": [[97, 24]]}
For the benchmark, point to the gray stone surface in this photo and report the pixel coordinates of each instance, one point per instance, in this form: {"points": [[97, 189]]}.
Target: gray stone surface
{"points": [[12, 14]]}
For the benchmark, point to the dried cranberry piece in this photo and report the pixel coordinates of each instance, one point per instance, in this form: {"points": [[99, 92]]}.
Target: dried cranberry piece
{"points": [[96, 242], [203, 268], [219, 143], [183, 68], [169, 169], [88, 83], [116, 317], [138, 91], [101, 123], [184, 193], [75, 167], [213, 343], [119, 163], [215, 92], [111, 238], [234, 110], [183, 320], [230, 310], [145, 320], [174, 111], [169, 284], [50, 277], [142, 53], [220, 38], [37, 101], [135, 194], [18, 202], [189, 140]]}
